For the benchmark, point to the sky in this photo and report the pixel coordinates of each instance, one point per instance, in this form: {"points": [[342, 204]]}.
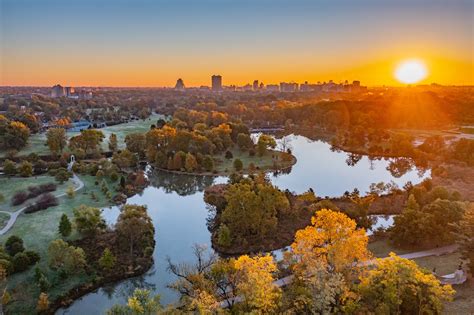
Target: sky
{"points": [[152, 43]]}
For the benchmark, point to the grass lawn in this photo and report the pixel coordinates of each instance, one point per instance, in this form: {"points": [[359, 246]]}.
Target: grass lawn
{"points": [[37, 230], [225, 166], [381, 248], [4, 217], [14, 184], [37, 142]]}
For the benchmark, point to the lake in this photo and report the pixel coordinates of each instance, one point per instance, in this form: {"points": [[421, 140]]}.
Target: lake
{"points": [[175, 203]]}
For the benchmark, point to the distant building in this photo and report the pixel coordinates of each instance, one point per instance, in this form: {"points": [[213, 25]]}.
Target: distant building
{"points": [[179, 85], [58, 91], [288, 87], [255, 85], [69, 91], [272, 88], [262, 86], [216, 82]]}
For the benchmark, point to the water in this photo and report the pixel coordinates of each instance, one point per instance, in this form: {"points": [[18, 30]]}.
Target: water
{"points": [[175, 203]]}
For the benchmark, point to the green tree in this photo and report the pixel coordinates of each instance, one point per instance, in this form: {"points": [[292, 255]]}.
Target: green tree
{"points": [[136, 143], [224, 237], [141, 302], [14, 245], [56, 140], [88, 220], [65, 226], [264, 142], [107, 260], [244, 141], [208, 163], [238, 165], [15, 135], [464, 233]]}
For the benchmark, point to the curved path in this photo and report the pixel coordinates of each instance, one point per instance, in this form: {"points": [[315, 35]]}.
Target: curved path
{"points": [[14, 215]]}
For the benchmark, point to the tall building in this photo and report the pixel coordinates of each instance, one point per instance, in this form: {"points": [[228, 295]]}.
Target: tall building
{"points": [[216, 82], [255, 85], [179, 85], [69, 91], [58, 91]]}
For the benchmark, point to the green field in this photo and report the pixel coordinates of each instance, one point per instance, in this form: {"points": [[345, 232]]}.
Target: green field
{"points": [[226, 166], [37, 230], [37, 142]]}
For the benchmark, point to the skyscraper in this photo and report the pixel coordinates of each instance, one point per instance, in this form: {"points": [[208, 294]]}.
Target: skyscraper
{"points": [[216, 83], [179, 85], [255, 85]]}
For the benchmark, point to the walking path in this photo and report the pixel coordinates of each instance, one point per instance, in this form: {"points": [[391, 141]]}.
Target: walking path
{"points": [[14, 215]]}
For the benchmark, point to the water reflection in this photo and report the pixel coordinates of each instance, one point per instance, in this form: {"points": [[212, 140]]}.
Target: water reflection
{"points": [[175, 204]]}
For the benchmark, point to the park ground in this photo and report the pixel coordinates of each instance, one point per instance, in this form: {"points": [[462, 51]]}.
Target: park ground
{"points": [[38, 229], [37, 142]]}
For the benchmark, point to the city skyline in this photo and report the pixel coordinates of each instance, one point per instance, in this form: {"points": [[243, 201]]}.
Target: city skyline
{"points": [[149, 44]]}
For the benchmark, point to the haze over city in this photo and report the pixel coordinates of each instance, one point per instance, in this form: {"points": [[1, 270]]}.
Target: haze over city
{"points": [[149, 43]]}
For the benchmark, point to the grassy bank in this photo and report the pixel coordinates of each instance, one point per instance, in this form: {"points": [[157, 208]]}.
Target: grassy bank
{"points": [[37, 230]]}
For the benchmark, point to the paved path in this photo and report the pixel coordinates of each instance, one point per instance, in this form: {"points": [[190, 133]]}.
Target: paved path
{"points": [[14, 215], [431, 252]]}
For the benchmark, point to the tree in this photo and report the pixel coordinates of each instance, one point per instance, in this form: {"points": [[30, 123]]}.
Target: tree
{"points": [[208, 163], [135, 230], [264, 142], [124, 159], [25, 169], [43, 302], [56, 140], [107, 260], [136, 143], [20, 261], [68, 258], [190, 163], [255, 283], [464, 233], [331, 240], [238, 165], [62, 175], [113, 143], [224, 237], [65, 226], [70, 191], [14, 245], [399, 286], [244, 141], [88, 220], [141, 302], [9, 167], [88, 141], [14, 135]]}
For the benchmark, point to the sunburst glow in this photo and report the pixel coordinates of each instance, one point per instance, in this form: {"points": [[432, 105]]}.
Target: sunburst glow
{"points": [[411, 71]]}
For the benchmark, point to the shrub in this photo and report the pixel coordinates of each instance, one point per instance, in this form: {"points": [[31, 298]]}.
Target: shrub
{"points": [[238, 165], [19, 197], [228, 155], [25, 169], [14, 245], [44, 202], [9, 167], [252, 152], [20, 262], [62, 175], [33, 256]]}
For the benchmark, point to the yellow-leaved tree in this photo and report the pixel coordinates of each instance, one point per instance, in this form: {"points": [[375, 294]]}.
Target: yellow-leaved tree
{"points": [[331, 240], [255, 284]]}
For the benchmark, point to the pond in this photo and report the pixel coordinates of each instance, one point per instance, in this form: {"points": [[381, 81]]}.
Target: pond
{"points": [[175, 203]]}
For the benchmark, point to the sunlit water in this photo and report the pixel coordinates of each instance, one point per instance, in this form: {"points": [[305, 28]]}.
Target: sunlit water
{"points": [[175, 203]]}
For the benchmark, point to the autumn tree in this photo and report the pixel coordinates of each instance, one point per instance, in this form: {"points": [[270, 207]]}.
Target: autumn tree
{"points": [[135, 229], [399, 286], [9, 167], [25, 169], [124, 159], [88, 220], [89, 141], [43, 302], [264, 142], [14, 135], [136, 143], [113, 143], [255, 284], [464, 233], [56, 140], [69, 258], [190, 163]]}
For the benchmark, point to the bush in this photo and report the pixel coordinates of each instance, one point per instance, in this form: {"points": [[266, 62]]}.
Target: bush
{"points": [[14, 245], [7, 265], [252, 152], [25, 169], [62, 175], [44, 202], [9, 167], [33, 256], [20, 262], [238, 165], [19, 197], [228, 155]]}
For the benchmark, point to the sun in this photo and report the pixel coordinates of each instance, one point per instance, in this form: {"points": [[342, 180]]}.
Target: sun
{"points": [[411, 71]]}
